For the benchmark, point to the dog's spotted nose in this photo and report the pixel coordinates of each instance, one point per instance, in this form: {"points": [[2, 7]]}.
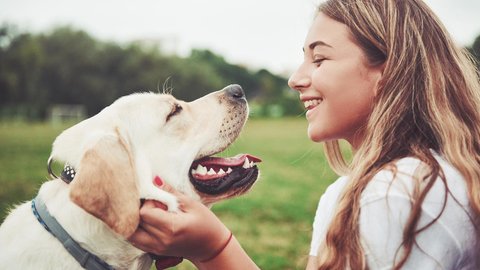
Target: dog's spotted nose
{"points": [[235, 91]]}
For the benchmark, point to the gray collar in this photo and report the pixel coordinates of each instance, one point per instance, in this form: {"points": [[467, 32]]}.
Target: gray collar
{"points": [[86, 259]]}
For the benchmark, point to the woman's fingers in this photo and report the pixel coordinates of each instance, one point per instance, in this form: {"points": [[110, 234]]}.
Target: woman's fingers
{"points": [[153, 240], [167, 188], [143, 240], [183, 200], [152, 215], [154, 228]]}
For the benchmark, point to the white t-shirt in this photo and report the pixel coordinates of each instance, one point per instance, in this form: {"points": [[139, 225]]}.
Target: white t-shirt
{"points": [[385, 206]]}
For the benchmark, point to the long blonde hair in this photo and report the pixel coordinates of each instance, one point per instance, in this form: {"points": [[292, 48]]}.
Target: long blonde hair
{"points": [[428, 98]]}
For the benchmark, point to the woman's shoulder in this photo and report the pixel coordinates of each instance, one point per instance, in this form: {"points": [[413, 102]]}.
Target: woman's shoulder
{"points": [[403, 177]]}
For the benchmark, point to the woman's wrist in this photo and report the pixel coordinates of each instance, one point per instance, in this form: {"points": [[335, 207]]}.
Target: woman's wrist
{"points": [[232, 257], [219, 250]]}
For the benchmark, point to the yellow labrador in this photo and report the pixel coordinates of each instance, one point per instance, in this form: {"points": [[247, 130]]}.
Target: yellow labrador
{"points": [[113, 158]]}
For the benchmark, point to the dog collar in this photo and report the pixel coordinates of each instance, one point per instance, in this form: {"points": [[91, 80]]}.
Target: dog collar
{"points": [[86, 259]]}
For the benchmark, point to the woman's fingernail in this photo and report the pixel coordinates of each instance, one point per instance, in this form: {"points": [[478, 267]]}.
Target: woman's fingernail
{"points": [[158, 181]]}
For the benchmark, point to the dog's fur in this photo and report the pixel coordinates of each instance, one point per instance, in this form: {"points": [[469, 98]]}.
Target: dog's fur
{"points": [[117, 153]]}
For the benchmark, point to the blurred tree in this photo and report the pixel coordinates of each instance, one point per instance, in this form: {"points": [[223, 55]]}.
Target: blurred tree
{"points": [[68, 66], [227, 73], [71, 74], [20, 70]]}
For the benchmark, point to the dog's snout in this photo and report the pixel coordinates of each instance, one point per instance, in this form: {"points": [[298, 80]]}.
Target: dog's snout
{"points": [[235, 91]]}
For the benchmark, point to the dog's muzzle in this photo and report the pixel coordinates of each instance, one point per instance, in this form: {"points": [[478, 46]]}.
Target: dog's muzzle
{"points": [[234, 175], [215, 175]]}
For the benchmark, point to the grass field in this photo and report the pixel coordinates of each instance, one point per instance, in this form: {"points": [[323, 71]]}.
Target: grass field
{"points": [[273, 221]]}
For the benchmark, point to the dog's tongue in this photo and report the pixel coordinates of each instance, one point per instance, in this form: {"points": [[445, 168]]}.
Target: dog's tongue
{"points": [[237, 160]]}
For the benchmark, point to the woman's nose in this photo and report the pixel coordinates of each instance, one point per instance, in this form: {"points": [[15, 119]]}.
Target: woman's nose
{"points": [[299, 80]]}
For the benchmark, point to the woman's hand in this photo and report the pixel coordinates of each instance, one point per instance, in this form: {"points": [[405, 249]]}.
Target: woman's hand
{"points": [[194, 233]]}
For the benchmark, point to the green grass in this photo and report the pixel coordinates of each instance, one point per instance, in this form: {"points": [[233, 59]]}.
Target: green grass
{"points": [[24, 150], [273, 222]]}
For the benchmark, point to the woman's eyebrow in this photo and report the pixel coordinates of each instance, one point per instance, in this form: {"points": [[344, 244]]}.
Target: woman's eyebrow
{"points": [[317, 43]]}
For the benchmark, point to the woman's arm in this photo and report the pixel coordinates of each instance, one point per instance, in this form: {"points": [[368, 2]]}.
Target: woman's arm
{"points": [[233, 257]]}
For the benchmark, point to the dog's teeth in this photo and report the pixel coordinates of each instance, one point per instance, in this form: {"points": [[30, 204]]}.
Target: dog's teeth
{"points": [[221, 172], [211, 172], [229, 170], [246, 164], [201, 170]]}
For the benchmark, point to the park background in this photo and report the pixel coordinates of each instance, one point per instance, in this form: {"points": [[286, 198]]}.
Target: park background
{"points": [[64, 67]]}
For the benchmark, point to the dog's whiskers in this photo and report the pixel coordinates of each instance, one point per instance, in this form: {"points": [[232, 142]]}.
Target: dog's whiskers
{"points": [[167, 89]]}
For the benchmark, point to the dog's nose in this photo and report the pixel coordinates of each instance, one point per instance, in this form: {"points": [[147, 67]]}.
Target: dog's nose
{"points": [[235, 91]]}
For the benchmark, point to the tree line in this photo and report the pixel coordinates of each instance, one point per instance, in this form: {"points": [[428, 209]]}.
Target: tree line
{"points": [[69, 66]]}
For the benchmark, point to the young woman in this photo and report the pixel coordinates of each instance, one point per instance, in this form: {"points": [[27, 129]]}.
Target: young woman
{"points": [[385, 76]]}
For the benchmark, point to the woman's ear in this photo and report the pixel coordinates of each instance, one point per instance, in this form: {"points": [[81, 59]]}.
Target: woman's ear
{"points": [[106, 184], [380, 70]]}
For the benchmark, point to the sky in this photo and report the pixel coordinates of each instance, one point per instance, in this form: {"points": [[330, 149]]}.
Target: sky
{"points": [[255, 33]]}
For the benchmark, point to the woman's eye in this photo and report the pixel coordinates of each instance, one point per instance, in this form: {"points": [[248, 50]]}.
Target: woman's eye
{"points": [[318, 61], [177, 108]]}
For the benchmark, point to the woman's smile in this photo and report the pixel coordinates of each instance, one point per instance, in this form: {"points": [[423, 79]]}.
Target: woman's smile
{"points": [[311, 104]]}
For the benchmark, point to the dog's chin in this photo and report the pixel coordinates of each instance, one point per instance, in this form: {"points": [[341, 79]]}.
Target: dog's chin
{"points": [[216, 178]]}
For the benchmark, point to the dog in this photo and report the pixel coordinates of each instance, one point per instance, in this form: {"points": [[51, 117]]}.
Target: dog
{"points": [[112, 158]]}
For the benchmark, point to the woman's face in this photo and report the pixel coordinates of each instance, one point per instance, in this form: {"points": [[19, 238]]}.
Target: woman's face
{"points": [[335, 83]]}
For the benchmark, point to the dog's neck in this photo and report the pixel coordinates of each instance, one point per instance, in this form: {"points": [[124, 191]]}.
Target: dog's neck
{"points": [[91, 233]]}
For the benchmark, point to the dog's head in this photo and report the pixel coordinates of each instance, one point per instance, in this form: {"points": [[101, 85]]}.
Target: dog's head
{"points": [[144, 135]]}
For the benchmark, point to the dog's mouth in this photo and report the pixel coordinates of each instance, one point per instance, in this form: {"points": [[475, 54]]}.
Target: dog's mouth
{"points": [[216, 175]]}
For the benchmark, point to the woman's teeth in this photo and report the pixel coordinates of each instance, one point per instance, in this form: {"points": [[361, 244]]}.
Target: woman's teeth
{"points": [[311, 103]]}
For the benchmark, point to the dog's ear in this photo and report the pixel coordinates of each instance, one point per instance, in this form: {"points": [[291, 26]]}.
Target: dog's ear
{"points": [[105, 184]]}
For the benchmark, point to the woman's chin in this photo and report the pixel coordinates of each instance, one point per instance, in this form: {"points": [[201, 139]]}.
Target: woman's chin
{"points": [[314, 135]]}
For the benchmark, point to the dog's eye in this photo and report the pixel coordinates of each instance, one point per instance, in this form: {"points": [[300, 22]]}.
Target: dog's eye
{"points": [[176, 109]]}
